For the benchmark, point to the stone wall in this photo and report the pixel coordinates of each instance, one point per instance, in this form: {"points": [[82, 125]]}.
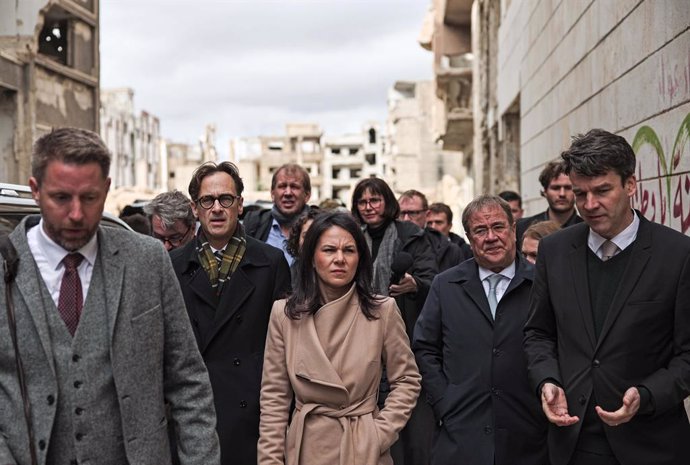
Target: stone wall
{"points": [[620, 65]]}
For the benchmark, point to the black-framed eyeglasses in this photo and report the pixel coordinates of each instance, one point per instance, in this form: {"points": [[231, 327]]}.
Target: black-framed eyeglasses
{"points": [[174, 240], [374, 202], [411, 213], [225, 200]]}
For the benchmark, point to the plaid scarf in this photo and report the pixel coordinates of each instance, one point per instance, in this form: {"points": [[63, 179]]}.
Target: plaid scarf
{"points": [[232, 256]]}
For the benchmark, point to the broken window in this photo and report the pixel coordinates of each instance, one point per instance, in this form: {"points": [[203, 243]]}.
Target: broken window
{"points": [[52, 41], [372, 136]]}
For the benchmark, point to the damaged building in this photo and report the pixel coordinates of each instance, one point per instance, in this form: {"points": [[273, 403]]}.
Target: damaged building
{"points": [[49, 75]]}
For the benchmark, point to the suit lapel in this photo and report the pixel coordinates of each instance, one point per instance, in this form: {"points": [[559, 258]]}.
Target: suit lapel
{"points": [[235, 292], [580, 281], [201, 286], [474, 288], [638, 261], [36, 299], [111, 261]]}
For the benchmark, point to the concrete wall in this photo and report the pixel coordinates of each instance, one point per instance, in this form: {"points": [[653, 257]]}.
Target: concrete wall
{"points": [[620, 65]]}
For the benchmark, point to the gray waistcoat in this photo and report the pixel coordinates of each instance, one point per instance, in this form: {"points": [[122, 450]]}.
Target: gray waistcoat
{"points": [[87, 424]]}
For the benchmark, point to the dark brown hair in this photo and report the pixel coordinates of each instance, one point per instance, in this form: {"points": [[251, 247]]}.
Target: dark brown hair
{"points": [[209, 168], [379, 187], [306, 298], [550, 172], [439, 207], [598, 152]]}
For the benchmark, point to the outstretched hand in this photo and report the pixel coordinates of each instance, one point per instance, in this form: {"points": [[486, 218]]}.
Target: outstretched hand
{"points": [[555, 405], [631, 404]]}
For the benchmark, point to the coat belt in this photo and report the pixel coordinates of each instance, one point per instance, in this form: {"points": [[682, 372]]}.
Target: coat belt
{"points": [[343, 415]]}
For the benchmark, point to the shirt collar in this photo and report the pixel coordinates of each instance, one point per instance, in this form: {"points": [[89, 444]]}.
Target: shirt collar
{"points": [[54, 253], [623, 239], [507, 272]]}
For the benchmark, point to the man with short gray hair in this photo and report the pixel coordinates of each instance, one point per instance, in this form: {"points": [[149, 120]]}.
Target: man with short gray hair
{"points": [[172, 219], [468, 346]]}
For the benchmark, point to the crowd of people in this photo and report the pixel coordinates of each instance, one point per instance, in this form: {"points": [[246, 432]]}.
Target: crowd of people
{"points": [[307, 335]]}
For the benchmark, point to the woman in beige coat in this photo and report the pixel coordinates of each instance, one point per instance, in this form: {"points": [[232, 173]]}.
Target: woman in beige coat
{"points": [[326, 346]]}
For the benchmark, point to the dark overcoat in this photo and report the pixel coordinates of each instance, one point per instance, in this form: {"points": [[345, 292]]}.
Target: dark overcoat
{"points": [[475, 373], [231, 332]]}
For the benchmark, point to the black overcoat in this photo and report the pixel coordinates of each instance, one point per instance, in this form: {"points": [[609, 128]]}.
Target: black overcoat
{"points": [[231, 334], [475, 373]]}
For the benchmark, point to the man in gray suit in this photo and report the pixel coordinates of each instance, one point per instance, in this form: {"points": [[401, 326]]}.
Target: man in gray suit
{"points": [[102, 329]]}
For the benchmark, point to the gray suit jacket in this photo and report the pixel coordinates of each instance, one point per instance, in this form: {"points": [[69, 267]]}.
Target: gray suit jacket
{"points": [[153, 355]]}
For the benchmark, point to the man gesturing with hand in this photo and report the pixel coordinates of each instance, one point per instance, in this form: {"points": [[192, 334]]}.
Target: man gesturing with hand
{"points": [[608, 336]]}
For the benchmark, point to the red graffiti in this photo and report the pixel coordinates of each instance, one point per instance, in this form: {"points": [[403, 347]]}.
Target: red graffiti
{"points": [[681, 194]]}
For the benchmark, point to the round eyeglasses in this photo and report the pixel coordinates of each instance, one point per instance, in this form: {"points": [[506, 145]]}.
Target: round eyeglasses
{"points": [[225, 200]]}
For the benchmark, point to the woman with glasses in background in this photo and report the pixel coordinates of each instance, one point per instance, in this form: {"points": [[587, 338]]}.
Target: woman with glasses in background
{"points": [[402, 247]]}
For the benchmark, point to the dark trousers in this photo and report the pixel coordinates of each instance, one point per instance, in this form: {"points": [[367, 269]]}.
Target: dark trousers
{"points": [[413, 447]]}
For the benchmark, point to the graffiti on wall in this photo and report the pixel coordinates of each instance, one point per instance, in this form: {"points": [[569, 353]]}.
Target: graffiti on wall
{"points": [[663, 190]]}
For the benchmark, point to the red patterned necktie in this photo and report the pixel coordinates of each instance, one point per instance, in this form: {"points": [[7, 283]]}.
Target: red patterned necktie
{"points": [[70, 302]]}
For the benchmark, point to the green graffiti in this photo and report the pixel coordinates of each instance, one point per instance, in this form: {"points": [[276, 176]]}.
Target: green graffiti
{"points": [[646, 136]]}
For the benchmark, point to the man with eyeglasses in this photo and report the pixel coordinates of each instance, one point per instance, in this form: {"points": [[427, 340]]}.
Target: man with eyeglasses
{"points": [[414, 207], [229, 281], [468, 345], [172, 219]]}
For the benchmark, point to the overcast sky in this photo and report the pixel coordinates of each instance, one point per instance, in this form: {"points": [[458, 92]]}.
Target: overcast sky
{"points": [[250, 66]]}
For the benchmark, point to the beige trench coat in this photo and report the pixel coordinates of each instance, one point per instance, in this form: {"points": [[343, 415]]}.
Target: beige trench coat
{"points": [[332, 362]]}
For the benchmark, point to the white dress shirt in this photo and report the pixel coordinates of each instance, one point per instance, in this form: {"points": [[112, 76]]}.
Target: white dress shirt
{"points": [[507, 274], [48, 256], [623, 239]]}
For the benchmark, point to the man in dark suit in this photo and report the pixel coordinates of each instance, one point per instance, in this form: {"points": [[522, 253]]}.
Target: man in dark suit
{"points": [[103, 336], [557, 189], [468, 345], [608, 337], [229, 282]]}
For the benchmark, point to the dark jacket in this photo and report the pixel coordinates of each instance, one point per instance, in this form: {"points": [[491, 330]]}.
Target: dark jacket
{"points": [[257, 224], [448, 253], [474, 371], [231, 333], [644, 341], [523, 223], [464, 246], [414, 241]]}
